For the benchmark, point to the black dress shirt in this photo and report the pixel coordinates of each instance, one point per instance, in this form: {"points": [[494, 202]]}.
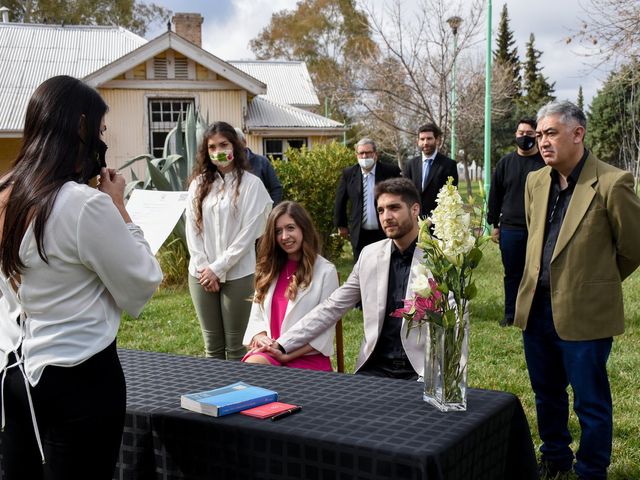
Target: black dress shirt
{"points": [[389, 350], [556, 210]]}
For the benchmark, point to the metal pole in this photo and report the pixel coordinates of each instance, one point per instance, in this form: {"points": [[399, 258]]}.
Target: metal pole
{"points": [[487, 111], [454, 23], [453, 96]]}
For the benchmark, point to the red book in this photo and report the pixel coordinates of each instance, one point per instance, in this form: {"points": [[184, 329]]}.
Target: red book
{"points": [[269, 410]]}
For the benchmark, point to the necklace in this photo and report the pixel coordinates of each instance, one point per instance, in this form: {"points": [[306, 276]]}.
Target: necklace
{"points": [[289, 275]]}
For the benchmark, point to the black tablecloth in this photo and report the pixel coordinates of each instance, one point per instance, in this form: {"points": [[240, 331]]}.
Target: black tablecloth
{"points": [[350, 427]]}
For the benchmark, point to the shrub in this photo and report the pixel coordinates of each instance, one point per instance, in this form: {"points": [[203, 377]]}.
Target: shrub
{"points": [[174, 261], [310, 177]]}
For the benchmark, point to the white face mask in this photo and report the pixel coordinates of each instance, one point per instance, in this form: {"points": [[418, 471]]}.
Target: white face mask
{"points": [[366, 163], [222, 159]]}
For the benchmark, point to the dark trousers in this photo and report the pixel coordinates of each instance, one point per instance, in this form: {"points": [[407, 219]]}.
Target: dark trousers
{"points": [[80, 414], [365, 238], [513, 249], [553, 364]]}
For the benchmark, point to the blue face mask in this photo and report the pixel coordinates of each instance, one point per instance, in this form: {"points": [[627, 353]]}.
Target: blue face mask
{"points": [[526, 143]]}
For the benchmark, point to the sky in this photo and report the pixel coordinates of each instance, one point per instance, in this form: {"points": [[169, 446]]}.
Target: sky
{"points": [[229, 25]]}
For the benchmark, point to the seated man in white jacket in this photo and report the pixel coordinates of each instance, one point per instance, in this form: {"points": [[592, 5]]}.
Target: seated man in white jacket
{"points": [[379, 280], [291, 279]]}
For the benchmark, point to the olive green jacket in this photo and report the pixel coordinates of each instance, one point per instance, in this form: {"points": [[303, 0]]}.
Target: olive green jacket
{"points": [[598, 247]]}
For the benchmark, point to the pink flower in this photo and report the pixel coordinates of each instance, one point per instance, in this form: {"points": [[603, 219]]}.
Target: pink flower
{"points": [[415, 308]]}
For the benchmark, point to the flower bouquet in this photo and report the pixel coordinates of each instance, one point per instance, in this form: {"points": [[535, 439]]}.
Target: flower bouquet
{"points": [[442, 287]]}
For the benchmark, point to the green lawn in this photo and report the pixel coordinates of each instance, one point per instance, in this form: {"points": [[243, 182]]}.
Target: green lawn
{"points": [[168, 324]]}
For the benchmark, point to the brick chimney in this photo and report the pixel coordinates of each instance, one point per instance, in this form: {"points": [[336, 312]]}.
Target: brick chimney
{"points": [[189, 27]]}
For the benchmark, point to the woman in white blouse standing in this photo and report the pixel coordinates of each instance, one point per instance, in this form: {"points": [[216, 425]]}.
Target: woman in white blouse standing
{"points": [[226, 213], [71, 261]]}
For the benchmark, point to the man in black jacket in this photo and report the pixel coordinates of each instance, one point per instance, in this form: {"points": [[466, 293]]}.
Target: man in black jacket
{"points": [[356, 186], [430, 170], [506, 209]]}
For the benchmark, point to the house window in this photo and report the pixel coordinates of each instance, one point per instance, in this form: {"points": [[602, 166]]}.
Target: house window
{"points": [[163, 117], [276, 147]]}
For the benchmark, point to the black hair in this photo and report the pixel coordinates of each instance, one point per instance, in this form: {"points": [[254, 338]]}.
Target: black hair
{"points": [[52, 153]]}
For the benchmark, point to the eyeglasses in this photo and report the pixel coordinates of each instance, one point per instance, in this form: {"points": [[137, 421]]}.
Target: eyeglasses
{"points": [[368, 152]]}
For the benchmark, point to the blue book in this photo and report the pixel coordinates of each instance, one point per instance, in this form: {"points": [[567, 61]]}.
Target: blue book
{"points": [[230, 399]]}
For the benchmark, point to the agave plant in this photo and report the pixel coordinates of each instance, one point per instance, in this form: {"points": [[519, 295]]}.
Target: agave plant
{"points": [[171, 171]]}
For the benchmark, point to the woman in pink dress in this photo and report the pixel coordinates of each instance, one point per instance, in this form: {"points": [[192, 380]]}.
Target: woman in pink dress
{"points": [[291, 279]]}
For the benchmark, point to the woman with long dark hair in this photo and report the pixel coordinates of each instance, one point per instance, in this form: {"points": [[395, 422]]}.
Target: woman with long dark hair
{"points": [[226, 213], [71, 261], [291, 279]]}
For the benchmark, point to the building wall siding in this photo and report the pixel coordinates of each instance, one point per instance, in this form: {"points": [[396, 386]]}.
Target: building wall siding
{"points": [[9, 148], [127, 121]]}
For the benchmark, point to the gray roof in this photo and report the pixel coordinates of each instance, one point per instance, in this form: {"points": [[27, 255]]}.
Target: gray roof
{"points": [[265, 114], [31, 53], [287, 82], [52, 50]]}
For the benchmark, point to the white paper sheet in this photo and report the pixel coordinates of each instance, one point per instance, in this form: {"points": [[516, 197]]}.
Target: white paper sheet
{"points": [[156, 213]]}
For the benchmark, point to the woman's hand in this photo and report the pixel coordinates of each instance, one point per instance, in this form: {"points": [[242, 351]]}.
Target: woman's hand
{"points": [[260, 340], [275, 353], [112, 183], [209, 280]]}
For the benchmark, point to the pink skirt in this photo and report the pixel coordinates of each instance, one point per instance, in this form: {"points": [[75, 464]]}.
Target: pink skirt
{"points": [[308, 362]]}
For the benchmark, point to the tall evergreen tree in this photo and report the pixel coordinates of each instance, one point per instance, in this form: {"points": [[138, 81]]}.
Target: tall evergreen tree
{"points": [[580, 100], [614, 130], [506, 52], [538, 90]]}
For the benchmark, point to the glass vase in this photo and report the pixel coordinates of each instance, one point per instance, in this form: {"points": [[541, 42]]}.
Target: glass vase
{"points": [[445, 366]]}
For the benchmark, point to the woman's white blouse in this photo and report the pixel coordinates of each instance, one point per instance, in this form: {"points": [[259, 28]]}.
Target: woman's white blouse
{"points": [[230, 226], [71, 306]]}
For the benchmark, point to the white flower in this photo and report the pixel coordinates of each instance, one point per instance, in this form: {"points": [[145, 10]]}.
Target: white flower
{"points": [[420, 284], [452, 225]]}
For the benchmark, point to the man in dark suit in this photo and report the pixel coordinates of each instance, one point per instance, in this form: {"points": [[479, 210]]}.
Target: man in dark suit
{"points": [[356, 186], [429, 170]]}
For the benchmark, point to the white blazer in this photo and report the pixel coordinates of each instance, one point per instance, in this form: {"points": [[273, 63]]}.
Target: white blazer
{"points": [[367, 282], [323, 282]]}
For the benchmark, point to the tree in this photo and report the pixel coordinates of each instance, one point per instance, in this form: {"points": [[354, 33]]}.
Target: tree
{"points": [[614, 120], [409, 84], [506, 71], [506, 53], [580, 100], [326, 34], [610, 29], [130, 14], [538, 90]]}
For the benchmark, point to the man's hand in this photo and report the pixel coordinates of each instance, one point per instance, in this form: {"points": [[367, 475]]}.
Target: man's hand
{"points": [[495, 235], [275, 351], [343, 231]]}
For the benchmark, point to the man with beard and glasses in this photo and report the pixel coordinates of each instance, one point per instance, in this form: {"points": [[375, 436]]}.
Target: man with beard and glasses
{"points": [[379, 279], [506, 209]]}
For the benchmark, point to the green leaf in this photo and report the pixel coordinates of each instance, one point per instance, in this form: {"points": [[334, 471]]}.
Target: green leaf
{"points": [[474, 257], [471, 291], [144, 156], [159, 180]]}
